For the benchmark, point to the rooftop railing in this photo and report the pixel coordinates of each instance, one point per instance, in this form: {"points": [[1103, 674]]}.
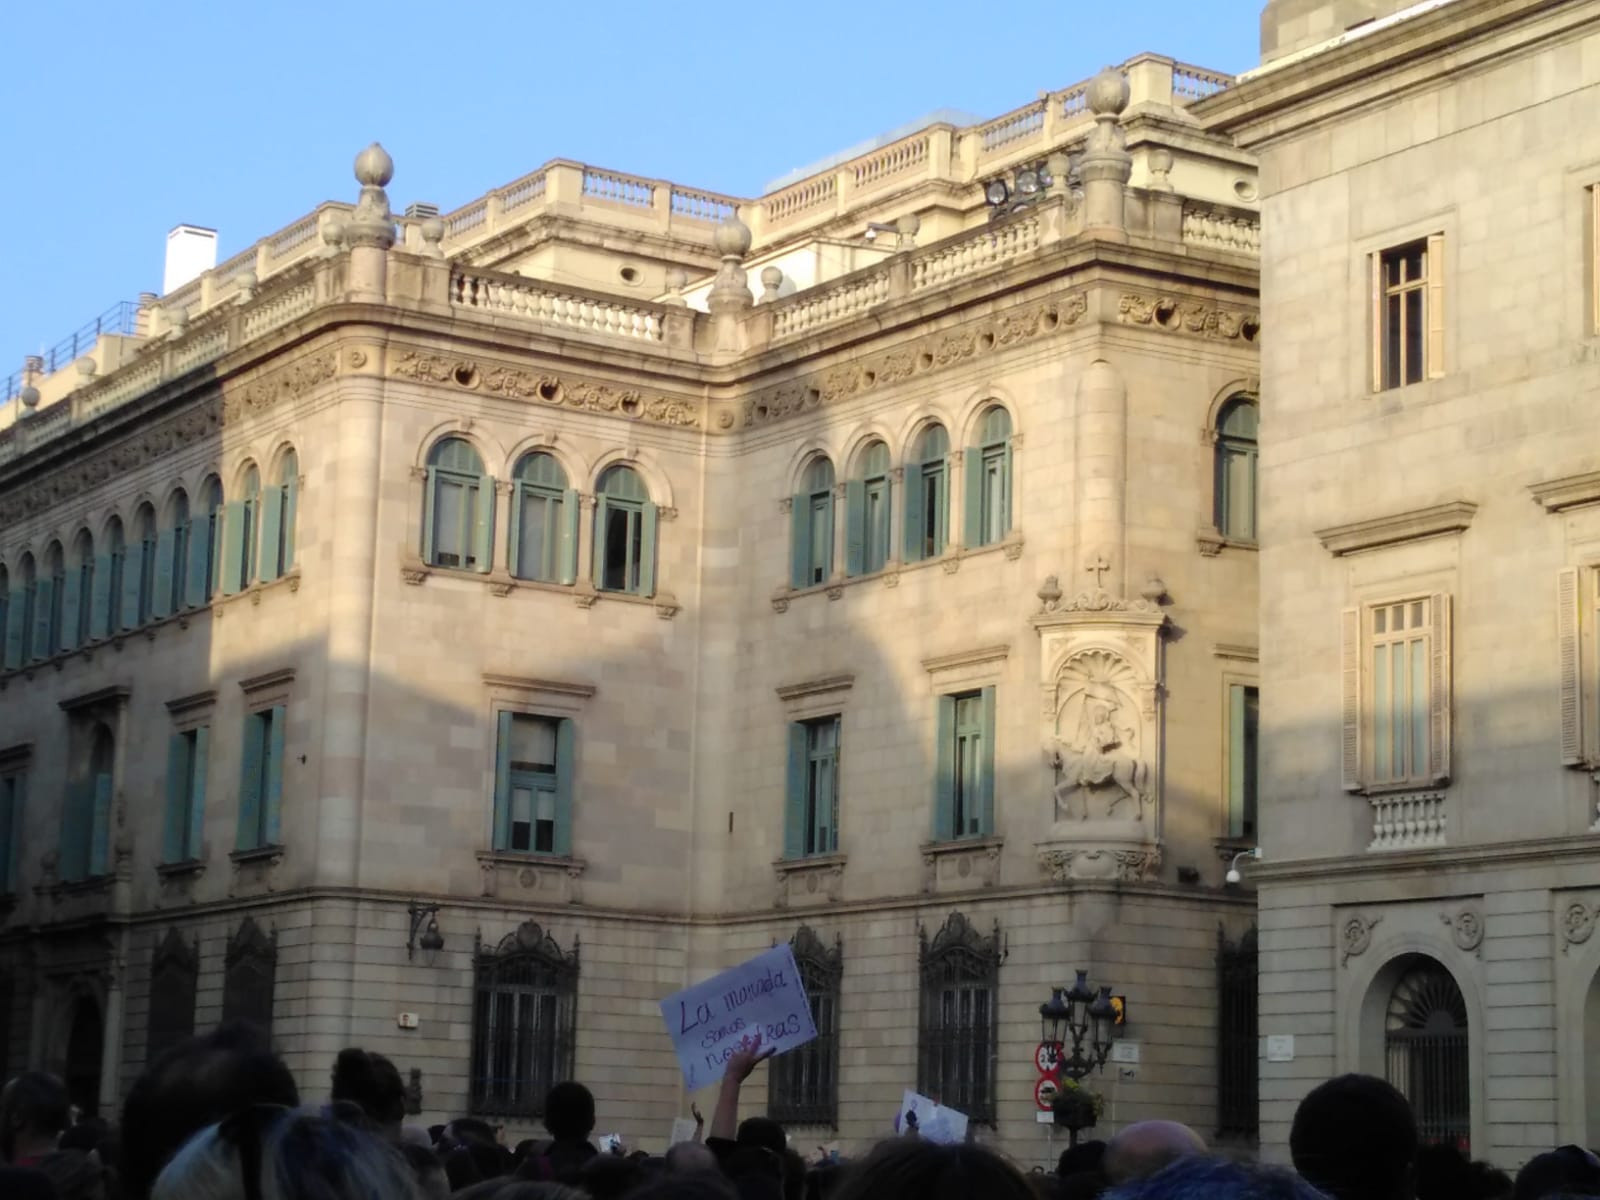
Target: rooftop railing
{"points": [[121, 318]]}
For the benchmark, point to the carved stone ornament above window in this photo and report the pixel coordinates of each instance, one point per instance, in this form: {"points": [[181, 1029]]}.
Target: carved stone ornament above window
{"points": [[1577, 923], [825, 686], [1466, 927], [1189, 317], [815, 880], [1355, 935], [1437, 521], [961, 866], [532, 878]]}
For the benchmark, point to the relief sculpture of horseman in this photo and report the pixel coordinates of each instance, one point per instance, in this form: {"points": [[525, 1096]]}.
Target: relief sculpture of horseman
{"points": [[1102, 758]]}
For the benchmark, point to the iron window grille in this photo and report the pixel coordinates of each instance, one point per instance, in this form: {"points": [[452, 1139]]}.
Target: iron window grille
{"points": [[1238, 1112], [958, 1033], [1425, 1053], [174, 973], [803, 1085], [249, 973], [524, 1022]]}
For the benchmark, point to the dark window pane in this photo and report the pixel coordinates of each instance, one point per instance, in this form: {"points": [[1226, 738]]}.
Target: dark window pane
{"points": [[1391, 342], [1414, 336], [614, 574]]}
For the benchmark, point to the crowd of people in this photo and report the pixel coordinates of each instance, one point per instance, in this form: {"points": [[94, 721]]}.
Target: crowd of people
{"points": [[221, 1118]]}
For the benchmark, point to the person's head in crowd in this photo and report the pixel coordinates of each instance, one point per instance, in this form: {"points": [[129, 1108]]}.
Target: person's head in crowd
{"points": [[269, 1153], [1355, 1138], [763, 1132], [822, 1181], [609, 1177], [1045, 1185], [794, 1175], [569, 1112], [687, 1185], [461, 1168], [690, 1156], [90, 1133], [1442, 1174], [1084, 1185], [1146, 1147], [1489, 1182], [34, 1109], [913, 1169], [1085, 1156], [1568, 1169], [372, 1082], [191, 1086], [519, 1189], [75, 1174], [464, 1131], [756, 1171], [429, 1170], [1196, 1177]]}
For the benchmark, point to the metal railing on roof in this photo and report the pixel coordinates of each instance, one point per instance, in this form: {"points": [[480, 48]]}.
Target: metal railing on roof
{"points": [[120, 318]]}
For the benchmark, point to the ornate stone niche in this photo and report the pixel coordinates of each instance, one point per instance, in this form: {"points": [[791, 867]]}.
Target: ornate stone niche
{"points": [[1102, 712]]}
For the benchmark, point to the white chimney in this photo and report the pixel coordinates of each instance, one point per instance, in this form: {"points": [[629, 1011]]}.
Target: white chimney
{"points": [[191, 252]]}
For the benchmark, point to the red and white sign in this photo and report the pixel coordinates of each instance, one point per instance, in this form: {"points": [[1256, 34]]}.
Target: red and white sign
{"points": [[1047, 1058], [1044, 1093]]}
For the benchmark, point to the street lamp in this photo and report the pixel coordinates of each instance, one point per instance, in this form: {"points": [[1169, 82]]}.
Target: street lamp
{"points": [[1087, 1017], [431, 941]]}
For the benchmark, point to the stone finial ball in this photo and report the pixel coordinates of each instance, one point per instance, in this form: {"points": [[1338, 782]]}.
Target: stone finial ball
{"points": [[771, 278], [29, 396], [908, 225], [1108, 93], [433, 230], [85, 367], [733, 238], [677, 279], [333, 229], [374, 167]]}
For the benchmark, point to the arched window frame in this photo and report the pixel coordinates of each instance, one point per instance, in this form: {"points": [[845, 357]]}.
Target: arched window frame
{"points": [[803, 1085], [249, 976], [458, 508], [986, 494], [1426, 1019], [206, 527], [20, 619], [240, 534], [811, 526], [544, 514], [174, 976], [172, 555], [958, 1030], [927, 476], [137, 600], [1236, 469], [524, 1027], [868, 506], [78, 604], [51, 607], [625, 523], [111, 582], [280, 503]]}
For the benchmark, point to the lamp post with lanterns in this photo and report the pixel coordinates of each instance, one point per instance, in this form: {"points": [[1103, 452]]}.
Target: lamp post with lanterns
{"points": [[1086, 1017]]}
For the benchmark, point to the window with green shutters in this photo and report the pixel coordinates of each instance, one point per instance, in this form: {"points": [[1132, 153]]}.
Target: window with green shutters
{"points": [[1236, 454], [279, 506], [78, 603], [172, 556], [248, 538], [811, 527], [13, 796], [1244, 709], [206, 529], [544, 521], [458, 509], [19, 615], [139, 584], [811, 808], [535, 762], [261, 779], [109, 583], [51, 608], [867, 513], [85, 850], [187, 755], [928, 495], [987, 497], [625, 523], [964, 781]]}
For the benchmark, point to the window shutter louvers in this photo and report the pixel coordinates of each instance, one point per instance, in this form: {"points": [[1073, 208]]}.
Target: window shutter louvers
{"points": [[1007, 492], [648, 518], [234, 575], [794, 804], [570, 510], [986, 757], [43, 609], [291, 512], [855, 527], [1350, 697], [72, 599], [271, 563], [502, 781], [100, 828], [566, 773], [1569, 625], [944, 785], [177, 793], [197, 577], [1439, 685], [249, 836], [101, 600], [1436, 308], [483, 525], [125, 608], [160, 602], [800, 542], [1375, 270], [16, 638], [597, 552], [914, 531], [430, 489], [197, 795], [514, 563], [972, 498], [272, 802]]}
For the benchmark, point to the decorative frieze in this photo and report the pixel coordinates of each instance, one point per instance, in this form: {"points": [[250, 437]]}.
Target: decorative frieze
{"points": [[1190, 317]]}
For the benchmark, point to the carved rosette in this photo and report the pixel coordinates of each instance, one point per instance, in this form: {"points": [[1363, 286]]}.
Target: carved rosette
{"points": [[960, 866], [1577, 924], [1466, 928], [1355, 935]]}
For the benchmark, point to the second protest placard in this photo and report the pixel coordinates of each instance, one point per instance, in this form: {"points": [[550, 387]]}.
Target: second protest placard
{"points": [[761, 998]]}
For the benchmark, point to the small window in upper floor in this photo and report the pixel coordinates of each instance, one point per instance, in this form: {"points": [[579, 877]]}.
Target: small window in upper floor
{"points": [[535, 763], [261, 779], [928, 495], [79, 605], [625, 534], [172, 556], [116, 588], [51, 607], [811, 805], [811, 541], [205, 545], [13, 795], [544, 521], [964, 781], [19, 614], [867, 507], [1235, 470], [1408, 314], [187, 756], [279, 506], [1244, 716], [241, 540], [988, 480], [86, 809], [458, 510], [1397, 693]]}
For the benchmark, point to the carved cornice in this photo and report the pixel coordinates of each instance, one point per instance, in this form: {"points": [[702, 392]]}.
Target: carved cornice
{"points": [[965, 658], [1413, 526], [1189, 317], [527, 684], [286, 383], [1240, 652], [928, 355], [114, 695], [270, 679], [184, 705], [542, 387], [816, 687], [1571, 491]]}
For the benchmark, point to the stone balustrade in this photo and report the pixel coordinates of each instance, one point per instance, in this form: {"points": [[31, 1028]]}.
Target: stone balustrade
{"points": [[1408, 821], [1238, 231], [816, 307], [527, 300], [979, 250]]}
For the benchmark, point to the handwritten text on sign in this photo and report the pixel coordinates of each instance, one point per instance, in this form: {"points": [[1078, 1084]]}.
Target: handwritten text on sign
{"points": [[711, 1020]]}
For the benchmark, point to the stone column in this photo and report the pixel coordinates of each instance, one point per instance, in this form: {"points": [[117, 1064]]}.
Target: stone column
{"points": [[1102, 475], [370, 232], [897, 516], [955, 485], [730, 299], [112, 1030], [1106, 165]]}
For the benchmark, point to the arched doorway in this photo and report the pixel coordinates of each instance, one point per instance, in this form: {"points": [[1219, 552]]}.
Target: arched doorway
{"points": [[85, 1046], [1425, 1049]]}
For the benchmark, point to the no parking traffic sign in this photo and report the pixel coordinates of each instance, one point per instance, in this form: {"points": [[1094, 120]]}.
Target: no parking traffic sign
{"points": [[1047, 1058]]}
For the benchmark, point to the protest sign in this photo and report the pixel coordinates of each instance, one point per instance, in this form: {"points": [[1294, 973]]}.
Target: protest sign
{"points": [[762, 998], [934, 1122]]}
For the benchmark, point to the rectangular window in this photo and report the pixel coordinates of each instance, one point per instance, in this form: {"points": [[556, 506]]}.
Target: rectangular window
{"points": [[996, 494], [1408, 314], [803, 1085], [1244, 705], [957, 1030], [533, 784], [811, 824], [623, 545], [935, 509], [964, 798], [524, 1023], [820, 540], [13, 787], [453, 506], [187, 753], [261, 779], [1397, 693], [877, 525], [1237, 1038]]}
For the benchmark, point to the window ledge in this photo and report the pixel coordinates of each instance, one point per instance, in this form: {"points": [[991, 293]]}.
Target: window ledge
{"points": [[533, 877], [815, 877], [253, 592], [889, 574], [502, 583], [114, 641], [1228, 846], [961, 863], [1571, 491], [96, 885], [269, 855], [1211, 543], [188, 868]]}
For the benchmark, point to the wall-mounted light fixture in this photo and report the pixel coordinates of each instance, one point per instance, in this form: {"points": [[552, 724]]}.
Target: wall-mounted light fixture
{"points": [[431, 941], [1233, 875]]}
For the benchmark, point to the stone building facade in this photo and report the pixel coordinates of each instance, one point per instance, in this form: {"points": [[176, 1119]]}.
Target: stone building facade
{"points": [[1429, 546], [453, 635]]}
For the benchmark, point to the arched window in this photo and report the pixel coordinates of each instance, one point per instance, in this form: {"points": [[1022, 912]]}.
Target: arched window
{"points": [[544, 521], [20, 617], [624, 534], [811, 527], [866, 512], [524, 1022], [249, 976], [139, 608], [174, 973], [52, 603], [928, 495], [1236, 469], [86, 821], [278, 505], [172, 555], [205, 544], [1425, 1051], [458, 513], [113, 582], [241, 537], [803, 1085], [78, 607], [988, 481]]}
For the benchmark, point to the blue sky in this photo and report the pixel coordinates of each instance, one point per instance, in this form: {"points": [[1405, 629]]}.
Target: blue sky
{"points": [[122, 120]]}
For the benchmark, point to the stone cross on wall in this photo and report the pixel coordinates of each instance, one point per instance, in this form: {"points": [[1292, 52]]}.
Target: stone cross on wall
{"points": [[1098, 566]]}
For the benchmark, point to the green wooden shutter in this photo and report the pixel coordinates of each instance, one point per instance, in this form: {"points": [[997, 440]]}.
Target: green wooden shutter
{"points": [[291, 512], [514, 534], [648, 518], [270, 564], [483, 525], [272, 801], [430, 489], [597, 552], [160, 599], [125, 608], [249, 836], [233, 572], [177, 794], [800, 542], [16, 639], [74, 835], [197, 571], [1236, 763], [566, 770], [13, 827], [914, 532], [72, 599], [100, 827], [944, 783], [44, 595], [972, 498], [502, 781], [570, 509], [794, 801], [986, 781], [1007, 487], [855, 527], [197, 793], [100, 597]]}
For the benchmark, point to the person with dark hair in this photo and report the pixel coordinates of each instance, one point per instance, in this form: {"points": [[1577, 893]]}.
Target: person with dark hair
{"points": [[1570, 1170], [429, 1170], [34, 1109], [823, 1180], [569, 1119], [686, 1157], [75, 1174], [1355, 1138], [1443, 1174], [609, 1176], [1146, 1147], [688, 1185], [373, 1082], [1085, 1156], [1195, 1177], [913, 1169], [1488, 1182], [195, 1084]]}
